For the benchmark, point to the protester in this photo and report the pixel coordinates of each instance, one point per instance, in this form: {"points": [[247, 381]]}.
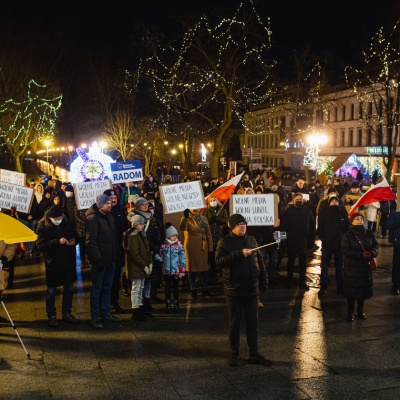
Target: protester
{"points": [[243, 275], [359, 247], [172, 256], [393, 224], [7, 252], [102, 250], [138, 263], [57, 240], [198, 245], [372, 212]]}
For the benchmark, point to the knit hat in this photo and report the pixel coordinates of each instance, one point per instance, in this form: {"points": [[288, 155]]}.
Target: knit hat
{"points": [[102, 199], [235, 219], [170, 230], [355, 185], [333, 198], [69, 188], [55, 212], [331, 190], [136, 219], [110, 192], [355, 215], [140, 201]]}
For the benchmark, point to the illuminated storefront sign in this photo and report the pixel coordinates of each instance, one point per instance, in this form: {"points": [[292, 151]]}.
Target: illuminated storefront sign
{"points": [[376, 150]]}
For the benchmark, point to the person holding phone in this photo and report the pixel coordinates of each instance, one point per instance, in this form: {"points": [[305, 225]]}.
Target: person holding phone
{"points": [[57, 240]]}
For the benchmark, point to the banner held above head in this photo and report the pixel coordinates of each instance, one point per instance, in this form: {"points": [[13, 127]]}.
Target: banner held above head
{"points": [[380, 192], [223, 192]]}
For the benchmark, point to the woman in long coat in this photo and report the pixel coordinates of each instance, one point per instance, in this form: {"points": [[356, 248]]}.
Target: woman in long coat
{"points": [[198, 244], [359, 247]]}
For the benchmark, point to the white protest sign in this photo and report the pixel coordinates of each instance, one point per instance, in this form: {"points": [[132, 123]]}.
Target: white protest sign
{"points": [[257, 209], [16, 178], [14, 195], [183, 195], [86, 192], [306, 196]]}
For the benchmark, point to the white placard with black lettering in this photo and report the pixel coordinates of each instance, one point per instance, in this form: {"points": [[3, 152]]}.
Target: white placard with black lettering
{"points": [[178, 197], [16, 178], [86, 192], [257, 209], [15, 195]]}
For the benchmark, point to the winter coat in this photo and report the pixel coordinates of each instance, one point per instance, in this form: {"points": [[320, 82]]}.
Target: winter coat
{"points": [[172, 255], [393, 224], [59, 259], [299, 224], [333, 222], [101, 237], [138, 255], [242, 276], [357, 275], [372, 210], [217, 219], [7, 250], [198, 243]]}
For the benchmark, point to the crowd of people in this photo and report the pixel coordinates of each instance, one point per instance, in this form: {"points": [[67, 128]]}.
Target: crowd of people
{"points": [[132, 249]]}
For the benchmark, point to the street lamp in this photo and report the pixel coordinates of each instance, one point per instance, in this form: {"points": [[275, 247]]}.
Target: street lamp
{"points": [[316, 139], [47, 144]]}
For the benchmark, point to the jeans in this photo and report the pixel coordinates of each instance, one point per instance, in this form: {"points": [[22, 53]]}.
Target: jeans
{"points": [[31, 224], [101, 291], [290, 265], [68, 290], [147, 288], [249, 306], [325, 262], [204, 280], [272, 252], [171, 282], [371, 226], [396, 267], [137, 292]]}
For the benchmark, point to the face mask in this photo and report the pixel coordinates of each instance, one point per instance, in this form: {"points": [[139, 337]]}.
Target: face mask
{"points": [[56, 221], [68, 194], [298, 203], [213, 203]]}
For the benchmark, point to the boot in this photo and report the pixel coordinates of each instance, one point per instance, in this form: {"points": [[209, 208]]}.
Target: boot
{"points": [[350, 314], [360, 313], [176, 306], [137, 315], [147, 308], [233, 361], [168, 306]]}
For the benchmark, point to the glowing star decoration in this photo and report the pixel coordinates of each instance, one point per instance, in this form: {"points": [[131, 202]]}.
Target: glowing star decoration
{"points": [[93, 165]]}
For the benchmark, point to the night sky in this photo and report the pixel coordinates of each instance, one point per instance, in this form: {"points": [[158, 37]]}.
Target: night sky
{"points": [[78, 32]]}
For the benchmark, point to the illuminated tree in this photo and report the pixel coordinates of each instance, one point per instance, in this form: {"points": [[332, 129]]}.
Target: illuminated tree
{"points": [[215, 72], [28, 112], [376, 86]]}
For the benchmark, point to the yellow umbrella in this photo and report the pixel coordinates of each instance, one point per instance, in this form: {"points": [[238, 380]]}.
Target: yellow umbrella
{"points": [[13, 231]]}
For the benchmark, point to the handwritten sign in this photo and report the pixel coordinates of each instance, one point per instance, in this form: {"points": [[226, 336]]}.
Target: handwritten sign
{"points": [[86, 192], [257, 209], [126, 171], [183, 195], [16, 178], [14, 195]]}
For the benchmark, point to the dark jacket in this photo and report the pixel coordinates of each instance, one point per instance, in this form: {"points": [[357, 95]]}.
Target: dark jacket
{"points": [[101, 238], [59, 259], [357, 275], [242, 276], [333, 222], [217, 219], [299, 224], [393, 224]]}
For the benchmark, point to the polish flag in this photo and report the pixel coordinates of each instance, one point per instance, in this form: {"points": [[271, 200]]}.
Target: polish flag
{"points": [[223, 192], [379, 192]]}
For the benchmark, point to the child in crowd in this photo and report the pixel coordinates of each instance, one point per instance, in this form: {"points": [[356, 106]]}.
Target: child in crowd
{"points": [[172, 255], [138, 263]]}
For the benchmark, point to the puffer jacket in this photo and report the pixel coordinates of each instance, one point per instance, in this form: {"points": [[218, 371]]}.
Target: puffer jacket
{"points": [[393, 224], [333, 222], [173, 257], [59, 259], [138, 255], [101, 237], [242, 276], [357, 275]]}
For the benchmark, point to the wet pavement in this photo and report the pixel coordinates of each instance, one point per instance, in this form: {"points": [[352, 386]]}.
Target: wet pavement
{"points": [[316, 353]]}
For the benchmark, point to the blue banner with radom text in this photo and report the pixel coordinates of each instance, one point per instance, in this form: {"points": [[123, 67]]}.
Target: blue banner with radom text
{"points": [[126, 171]]}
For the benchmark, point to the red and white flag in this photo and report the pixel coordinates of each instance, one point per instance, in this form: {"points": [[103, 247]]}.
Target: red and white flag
{"points": [[223, 192], [380, 192]]}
